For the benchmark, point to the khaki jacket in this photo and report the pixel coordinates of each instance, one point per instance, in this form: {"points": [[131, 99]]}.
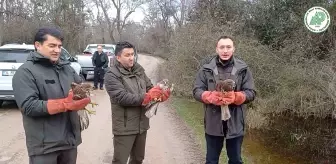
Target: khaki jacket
{"points": [[127, 89]]}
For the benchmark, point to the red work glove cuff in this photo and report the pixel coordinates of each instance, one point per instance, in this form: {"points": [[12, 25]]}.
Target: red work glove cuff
{"points": [[240, 98], [205, 96], [55, 106]]}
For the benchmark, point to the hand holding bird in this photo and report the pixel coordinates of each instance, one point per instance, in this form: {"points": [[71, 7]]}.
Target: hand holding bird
{"points": [[82, 91], [160, 93], [227, 88]]}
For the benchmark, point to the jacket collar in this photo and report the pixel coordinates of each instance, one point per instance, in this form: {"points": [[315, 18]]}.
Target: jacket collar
{"points": [[223, 63], [36, 57], [237, 63], [135, 70]]}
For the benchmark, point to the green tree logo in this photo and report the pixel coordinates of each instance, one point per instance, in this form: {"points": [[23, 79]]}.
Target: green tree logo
{"points": [[317, 19]]}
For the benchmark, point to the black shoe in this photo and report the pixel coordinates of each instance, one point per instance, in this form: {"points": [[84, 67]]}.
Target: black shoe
{"points": [[101, 88], [95, 88]]}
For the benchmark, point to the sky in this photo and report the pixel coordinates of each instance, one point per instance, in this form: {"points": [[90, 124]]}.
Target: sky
{"points": [[136, 16]]}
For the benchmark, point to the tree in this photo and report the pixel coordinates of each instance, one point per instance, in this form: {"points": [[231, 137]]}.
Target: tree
{"points": [[119, 21]]}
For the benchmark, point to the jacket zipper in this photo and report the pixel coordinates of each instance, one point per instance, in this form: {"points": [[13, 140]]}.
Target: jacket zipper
{"points": [[57, 73], [141, 108], [68, 115]]}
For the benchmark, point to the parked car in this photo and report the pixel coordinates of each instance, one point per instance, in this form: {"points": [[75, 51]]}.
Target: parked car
{"points": [[73, 61], [12, 56], [107, 48], [85, 59]]}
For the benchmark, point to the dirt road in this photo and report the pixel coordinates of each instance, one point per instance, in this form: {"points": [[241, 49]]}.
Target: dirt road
{"points": [[169, 141]]}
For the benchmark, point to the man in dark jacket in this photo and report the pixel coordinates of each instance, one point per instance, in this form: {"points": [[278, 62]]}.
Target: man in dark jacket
{"points": [[42, 92], [221, 67], [130, 90], [100, 62]]}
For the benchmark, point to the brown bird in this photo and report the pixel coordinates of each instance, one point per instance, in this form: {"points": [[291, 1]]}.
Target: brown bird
{"points": [[225, 86], [82, 91]]}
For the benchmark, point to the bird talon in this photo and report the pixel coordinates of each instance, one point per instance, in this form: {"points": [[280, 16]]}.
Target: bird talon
{"points": [[90, 111], [93, 104]]}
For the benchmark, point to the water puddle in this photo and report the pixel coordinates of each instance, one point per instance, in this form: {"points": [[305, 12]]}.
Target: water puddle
{"points": [[294, 140], [258, 152]]}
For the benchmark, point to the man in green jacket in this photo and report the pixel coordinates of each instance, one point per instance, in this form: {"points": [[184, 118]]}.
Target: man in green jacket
{"points": [[42, 92], [130, 90]]}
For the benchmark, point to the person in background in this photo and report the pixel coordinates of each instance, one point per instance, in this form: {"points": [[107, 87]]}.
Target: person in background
{"points": [[43, 94], [100, 62], [221, 67]]}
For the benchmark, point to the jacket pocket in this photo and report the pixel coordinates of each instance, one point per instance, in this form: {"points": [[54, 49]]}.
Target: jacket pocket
{"points": [[239, 80], [102, 58], [34, 132], [57, 131], [211, 84]]}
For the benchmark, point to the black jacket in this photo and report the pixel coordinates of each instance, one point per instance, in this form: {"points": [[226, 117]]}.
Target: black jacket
{"points": [[103, 57], [34, 83]]}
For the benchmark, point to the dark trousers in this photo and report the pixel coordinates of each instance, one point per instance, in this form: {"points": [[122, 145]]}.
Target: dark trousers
{"points": [[58, 157], [132, 146], [215, 145], [99, 73]]}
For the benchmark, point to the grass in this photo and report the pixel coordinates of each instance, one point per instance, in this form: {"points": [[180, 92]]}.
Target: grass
{"points": [[192, 113]]}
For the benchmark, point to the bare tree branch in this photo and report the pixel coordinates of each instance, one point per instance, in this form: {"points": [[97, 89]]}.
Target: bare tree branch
{"points": [[110, 24], [125, 18], [115, 4], [15, 14]]}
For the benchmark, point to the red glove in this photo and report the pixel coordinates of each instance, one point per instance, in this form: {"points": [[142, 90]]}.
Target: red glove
{"points": [[212, 97], [240, 98], [55, 106], [151, 95], [156, 93], [165, 94], [228, 97]]}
